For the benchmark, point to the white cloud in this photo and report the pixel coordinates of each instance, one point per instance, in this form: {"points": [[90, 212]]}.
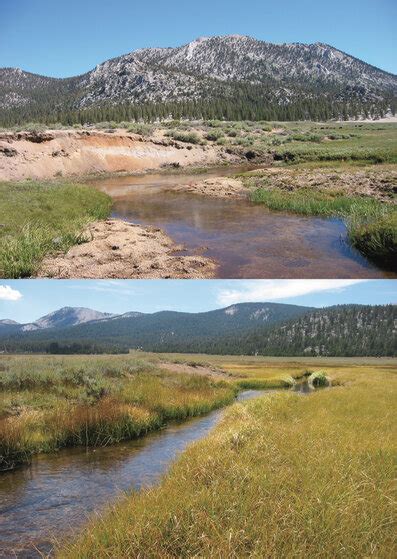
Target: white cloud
{"points": [[7, 293], [270, 290], [116, 287]]}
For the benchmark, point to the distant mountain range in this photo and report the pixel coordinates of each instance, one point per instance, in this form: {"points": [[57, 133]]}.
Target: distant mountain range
{"points": [[246, 328], [62, 318], [208, 69]]}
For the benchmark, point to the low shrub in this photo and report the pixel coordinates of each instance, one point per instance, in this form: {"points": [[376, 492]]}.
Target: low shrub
{"points": [[214, 135], [186, 137], [141, 129]]}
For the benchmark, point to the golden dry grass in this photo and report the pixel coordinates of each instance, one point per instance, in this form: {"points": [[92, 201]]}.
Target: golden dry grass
{"points": [[282, 476], [49, 402]]}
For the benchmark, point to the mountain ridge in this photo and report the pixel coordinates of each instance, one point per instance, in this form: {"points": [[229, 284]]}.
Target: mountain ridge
{"points": [[207, 69], [65, 316], [243, 328]]}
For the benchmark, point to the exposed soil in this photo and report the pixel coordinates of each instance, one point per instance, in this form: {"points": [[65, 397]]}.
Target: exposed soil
{"points": [[201, 370], [117, 249], [68, 153], [219, 187], [379, 183]]}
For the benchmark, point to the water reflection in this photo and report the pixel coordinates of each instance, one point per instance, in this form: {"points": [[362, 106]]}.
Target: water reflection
{"points": [[246, 240]]}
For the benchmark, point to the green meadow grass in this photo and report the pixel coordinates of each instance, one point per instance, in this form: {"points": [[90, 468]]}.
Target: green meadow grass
{"points": [[373, 143], [40, 218]]}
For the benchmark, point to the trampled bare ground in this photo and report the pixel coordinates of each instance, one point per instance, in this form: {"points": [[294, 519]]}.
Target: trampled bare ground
{"points": [[117, 249], [218, 187]]}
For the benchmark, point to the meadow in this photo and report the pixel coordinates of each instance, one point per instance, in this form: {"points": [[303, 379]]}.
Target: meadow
{"points": [[51, 402], [284, 475], [346, 169], [291, 142], [342, 170], [43, 218]]}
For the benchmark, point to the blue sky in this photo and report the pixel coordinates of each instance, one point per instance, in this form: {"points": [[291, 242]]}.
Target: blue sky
{"points": [[27, 300], [67, 38]]}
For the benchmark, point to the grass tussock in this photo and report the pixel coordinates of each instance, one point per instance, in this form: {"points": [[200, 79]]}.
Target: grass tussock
{"points": [[47, 403], [318, 379], [39, 219], [376, 237], [282, 476]]}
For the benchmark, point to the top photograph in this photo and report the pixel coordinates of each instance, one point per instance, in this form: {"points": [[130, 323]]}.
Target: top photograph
{"points": [[205, 147]]}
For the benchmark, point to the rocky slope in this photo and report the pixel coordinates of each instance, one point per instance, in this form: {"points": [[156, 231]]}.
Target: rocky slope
{"points": [[61, 318], [206, 68]]}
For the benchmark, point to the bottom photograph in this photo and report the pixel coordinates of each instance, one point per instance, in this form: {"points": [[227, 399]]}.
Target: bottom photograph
{"points": [[201, 418]]}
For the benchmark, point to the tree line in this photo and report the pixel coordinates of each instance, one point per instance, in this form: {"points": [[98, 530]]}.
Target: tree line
{"points": [[248, 103]]}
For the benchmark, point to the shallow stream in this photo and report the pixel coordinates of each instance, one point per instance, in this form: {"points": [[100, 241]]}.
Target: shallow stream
{"points": [[245, 239], [57, 492]]}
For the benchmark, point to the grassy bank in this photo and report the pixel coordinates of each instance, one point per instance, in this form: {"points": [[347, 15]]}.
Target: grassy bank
{"points": [[40, 218], [47, 403], [282, 476], [371, 224]]}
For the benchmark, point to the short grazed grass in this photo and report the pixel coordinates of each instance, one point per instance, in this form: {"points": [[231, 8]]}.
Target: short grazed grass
{"points": [[294, 143], [350, 141], [47, 402], [284, 475], [41, 218]]}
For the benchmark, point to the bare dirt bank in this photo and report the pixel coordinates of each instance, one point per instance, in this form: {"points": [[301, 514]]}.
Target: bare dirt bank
{"points": [[218, 187], [203, 370], [55, 153], [117, 249]]}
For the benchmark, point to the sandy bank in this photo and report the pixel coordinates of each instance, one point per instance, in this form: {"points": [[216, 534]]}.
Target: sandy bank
{"points": [[117, 249], [67, 153], [218, 187]]}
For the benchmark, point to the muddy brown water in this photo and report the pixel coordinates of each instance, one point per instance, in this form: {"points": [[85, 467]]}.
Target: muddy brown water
{"points": [[57, 492], [245, 239]]}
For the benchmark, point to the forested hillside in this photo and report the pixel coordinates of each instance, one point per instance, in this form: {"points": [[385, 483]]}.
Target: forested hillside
{"points": [[348, 330], [248, 328]]}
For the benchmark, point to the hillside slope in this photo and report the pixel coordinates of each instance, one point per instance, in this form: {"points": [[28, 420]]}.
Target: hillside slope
{"points": [[233, 67], [136, 330], [246, 328]]}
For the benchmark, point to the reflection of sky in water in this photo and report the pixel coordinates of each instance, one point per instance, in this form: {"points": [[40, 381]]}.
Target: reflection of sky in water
{"points": [[59, 491], [247, 240]]}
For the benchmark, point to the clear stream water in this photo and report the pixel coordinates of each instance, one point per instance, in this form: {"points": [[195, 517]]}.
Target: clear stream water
{"points": [[245, 239], [57, 492]]}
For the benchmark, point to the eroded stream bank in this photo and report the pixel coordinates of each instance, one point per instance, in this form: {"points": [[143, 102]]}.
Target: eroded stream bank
{"points": [[244, 240], [56, 493]]}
